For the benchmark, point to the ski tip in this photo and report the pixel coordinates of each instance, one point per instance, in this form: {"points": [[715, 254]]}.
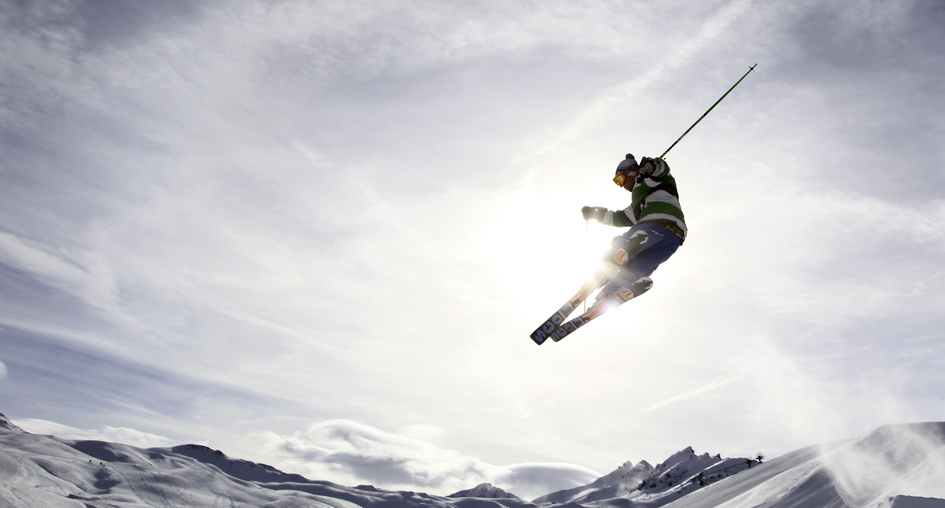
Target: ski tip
{"points": [[538, 338]]}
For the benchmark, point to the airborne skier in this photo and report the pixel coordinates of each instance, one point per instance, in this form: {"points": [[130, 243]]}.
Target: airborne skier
{"points": [[657, 229], [656, 221]]}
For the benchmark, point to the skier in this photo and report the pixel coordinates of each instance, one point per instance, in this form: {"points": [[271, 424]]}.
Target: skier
{"points": [[657, 230], [656, 221]]}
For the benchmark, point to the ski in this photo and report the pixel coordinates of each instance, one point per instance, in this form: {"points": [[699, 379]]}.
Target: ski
{"points": [[601, 306], [601, 278]]}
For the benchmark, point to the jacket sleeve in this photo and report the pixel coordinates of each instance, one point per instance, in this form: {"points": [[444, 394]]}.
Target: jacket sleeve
{"points": [[619, 218]]}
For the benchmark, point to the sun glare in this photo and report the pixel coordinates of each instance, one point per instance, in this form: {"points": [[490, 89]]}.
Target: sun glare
{"points": [[541, 245]]}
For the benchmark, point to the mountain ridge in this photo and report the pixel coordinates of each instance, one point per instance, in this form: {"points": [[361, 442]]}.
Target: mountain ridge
{"points": [[894, 466]]}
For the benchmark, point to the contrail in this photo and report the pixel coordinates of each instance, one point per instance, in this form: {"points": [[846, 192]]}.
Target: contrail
{"points": [[715, 384]]}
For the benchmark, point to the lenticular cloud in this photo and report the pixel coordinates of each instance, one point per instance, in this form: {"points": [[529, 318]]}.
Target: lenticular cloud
{"points": [[351, 452]]}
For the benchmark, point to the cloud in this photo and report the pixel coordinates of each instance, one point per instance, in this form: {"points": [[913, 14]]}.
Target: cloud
{"points": [[121, 435], [714, 26], [3, 371], [87, 280], [347, 452], [931, 284]]}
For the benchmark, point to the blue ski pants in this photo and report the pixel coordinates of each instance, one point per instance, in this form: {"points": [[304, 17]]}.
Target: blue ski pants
{"points": [[660, 244]]}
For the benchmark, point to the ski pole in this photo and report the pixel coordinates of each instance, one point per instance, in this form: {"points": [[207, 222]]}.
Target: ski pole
{"points": [[707, 111]]}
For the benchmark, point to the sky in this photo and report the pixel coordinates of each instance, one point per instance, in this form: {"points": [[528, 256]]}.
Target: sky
{"points": [[318, 234]]}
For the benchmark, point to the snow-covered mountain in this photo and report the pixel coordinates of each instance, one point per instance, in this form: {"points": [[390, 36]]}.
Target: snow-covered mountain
{"points": [[900, 466], [486, 491], [48, 472], [894, 466], [646, 485]]}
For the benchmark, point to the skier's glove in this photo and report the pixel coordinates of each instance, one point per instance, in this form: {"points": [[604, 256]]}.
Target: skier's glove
{"points": [[593, 212], [647, 167]]}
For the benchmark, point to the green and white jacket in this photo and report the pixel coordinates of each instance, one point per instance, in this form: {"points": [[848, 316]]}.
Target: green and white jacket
{"points": [[655, 200]]}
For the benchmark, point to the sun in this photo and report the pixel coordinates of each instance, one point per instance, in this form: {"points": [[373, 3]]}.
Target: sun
{"points": [[541, 246]]}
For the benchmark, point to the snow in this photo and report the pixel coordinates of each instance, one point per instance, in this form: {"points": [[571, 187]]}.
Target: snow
{"points": [[484, 490], [646, 485], [8, 425], [888, 463], [899, 466]]}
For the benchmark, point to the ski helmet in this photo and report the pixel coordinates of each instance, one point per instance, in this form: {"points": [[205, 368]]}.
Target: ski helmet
{"points": [[626, 169]]}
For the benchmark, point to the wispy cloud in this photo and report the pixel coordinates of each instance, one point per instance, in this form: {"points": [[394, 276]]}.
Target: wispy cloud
{"points": [[70, 375], [654, 71], [86, 279]]}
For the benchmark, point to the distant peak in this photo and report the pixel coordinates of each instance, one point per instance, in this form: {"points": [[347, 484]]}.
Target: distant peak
{"points": [[686, 453], [195, 450], [6, 424], [238, 468], [485, 490]]}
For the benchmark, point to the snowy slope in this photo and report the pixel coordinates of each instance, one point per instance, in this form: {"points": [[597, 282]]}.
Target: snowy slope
{"points": [[900, 466], [893, 466]]}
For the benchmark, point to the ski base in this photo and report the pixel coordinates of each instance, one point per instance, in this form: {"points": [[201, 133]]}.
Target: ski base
{"points": [[599, 280], [565, 328]]}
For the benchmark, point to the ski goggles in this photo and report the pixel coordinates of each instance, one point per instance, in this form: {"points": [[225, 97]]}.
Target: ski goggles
{"points": [[622, 177]]}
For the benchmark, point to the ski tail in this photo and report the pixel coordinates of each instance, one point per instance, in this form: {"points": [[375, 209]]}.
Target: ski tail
{"points": [[601, 306]]}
